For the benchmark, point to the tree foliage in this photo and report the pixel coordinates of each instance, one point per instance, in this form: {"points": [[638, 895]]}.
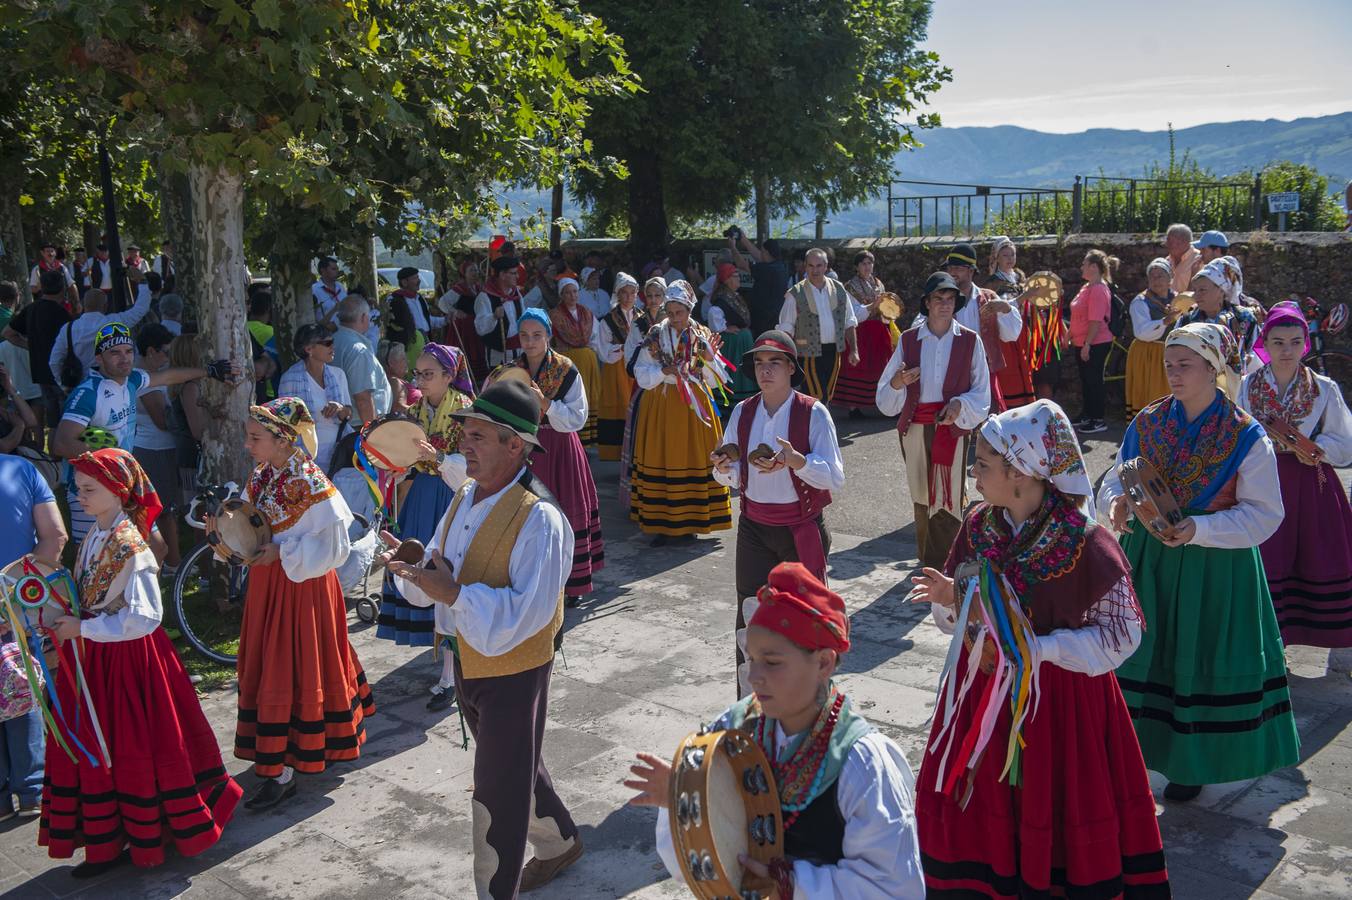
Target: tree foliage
{"points": [[807, 97]]}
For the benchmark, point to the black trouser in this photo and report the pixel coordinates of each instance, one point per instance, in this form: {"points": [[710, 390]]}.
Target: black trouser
{"points": [[1094, 393]]}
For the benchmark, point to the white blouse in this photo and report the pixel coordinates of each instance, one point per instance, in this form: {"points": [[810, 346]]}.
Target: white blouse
{"points": [[318, 543], [1329, 416], [825, 468], [935, 351], [1093, 649], [141, 590], [495, 620], [648, 370], [1257, 512], [569, 412], [607, 351], [1144, 327], [875, 794]]}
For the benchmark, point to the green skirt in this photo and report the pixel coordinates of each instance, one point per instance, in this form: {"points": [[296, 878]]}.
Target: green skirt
{"points": [[743, 384], [1207, 687]]}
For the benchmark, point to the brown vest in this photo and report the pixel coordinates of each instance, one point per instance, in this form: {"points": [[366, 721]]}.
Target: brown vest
{"points": [[487, 562]]}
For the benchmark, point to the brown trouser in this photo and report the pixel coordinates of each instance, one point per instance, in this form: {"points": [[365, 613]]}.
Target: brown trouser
{"points": [[937, 526]]}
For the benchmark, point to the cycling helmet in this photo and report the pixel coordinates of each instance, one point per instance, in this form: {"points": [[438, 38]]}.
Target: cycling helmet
{"points": [[96, 438]]}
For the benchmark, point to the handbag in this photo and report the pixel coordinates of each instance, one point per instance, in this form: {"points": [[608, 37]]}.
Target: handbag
{"points": [[16, 694]]}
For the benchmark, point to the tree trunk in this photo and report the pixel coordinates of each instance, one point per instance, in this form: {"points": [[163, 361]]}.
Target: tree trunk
{"points": [[555, 214], [291, 305], [218, 247], [93, 235], [762, 208], [442, 272], [648, 230], [176, 216], [13, 253], [363, 266]]}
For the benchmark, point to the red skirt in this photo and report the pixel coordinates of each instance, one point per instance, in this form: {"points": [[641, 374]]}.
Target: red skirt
{"points": [[1308, 560], [1016, 378], [460, 333], [302, 692], [167, 786], [1083, 821], [564, 469], [857, 385]]}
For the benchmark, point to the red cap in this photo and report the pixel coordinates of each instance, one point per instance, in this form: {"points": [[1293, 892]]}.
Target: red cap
{"points": [[796, 604], [725, 271]]}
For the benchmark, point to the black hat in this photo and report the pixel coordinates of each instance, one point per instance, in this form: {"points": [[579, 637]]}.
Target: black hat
{"points": [[306, 335], [775, 340], [941, 281], [961, 255], [505, 264], [406, 272], [510, 404]]}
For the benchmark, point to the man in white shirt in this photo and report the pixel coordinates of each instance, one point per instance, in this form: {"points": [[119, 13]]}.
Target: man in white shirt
{"points": [[47, 262], [819, 314], [79, 333], [495, 568], [496, 310], [982, 311], [782, 494], [938, 384], [327, 292]]}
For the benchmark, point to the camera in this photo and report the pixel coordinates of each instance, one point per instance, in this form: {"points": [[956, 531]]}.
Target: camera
{"points": [[733, 232]]}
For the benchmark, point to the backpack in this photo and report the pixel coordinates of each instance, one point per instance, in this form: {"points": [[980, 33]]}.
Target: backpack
{"points": [[1117, 313], [72, 370]]}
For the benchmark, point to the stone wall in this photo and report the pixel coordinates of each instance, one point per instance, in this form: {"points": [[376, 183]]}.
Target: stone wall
{"points": [[1316, 264]]}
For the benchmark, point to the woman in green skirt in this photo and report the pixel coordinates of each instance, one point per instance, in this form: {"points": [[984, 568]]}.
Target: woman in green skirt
{"points": [[1207, 687]]}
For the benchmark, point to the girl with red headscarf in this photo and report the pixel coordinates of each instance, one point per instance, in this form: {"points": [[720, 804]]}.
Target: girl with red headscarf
{"points": [[845, 789], [166, 786]]}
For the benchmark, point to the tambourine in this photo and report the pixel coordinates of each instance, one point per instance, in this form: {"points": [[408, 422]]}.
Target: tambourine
{"points": [[237, 531], [1290, 439], [724, 802], [888, 306], [1151, 500], [1183, 303], [1042, 290], [510, 372], [33, 585], [392, 441]]}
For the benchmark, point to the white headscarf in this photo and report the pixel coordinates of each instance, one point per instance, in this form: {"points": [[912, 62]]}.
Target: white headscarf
{"points": [[1224, 272], [1161, 262], [624, 279], [1038, 440], [999, 244], [564, 282], [1213, 343], [679, 291]]}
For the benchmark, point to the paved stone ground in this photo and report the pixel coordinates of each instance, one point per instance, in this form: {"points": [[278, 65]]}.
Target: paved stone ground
{"points": [[647, 660]]}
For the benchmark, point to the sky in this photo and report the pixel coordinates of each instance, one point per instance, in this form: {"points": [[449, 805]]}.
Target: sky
{"points": [[1070, 65]]}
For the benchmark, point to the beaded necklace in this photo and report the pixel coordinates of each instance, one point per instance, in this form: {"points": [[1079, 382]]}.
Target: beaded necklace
{"points": [[799, 777]]}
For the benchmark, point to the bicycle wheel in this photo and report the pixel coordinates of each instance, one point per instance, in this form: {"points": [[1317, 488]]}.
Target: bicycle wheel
{"points": [[208, 598], [1335, 364]]}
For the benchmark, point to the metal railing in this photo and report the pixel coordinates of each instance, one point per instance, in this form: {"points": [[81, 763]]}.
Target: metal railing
{"points": [[1095, 204]]}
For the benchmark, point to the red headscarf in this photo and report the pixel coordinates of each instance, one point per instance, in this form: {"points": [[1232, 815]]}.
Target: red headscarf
{"points": [[119, 472], [796, 604]]}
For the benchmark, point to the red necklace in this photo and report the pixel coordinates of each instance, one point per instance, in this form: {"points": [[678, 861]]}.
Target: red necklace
{"points": [[798, 777]]}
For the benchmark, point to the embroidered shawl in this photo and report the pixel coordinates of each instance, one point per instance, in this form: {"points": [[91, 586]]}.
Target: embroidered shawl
{"points": [[284, 495]]}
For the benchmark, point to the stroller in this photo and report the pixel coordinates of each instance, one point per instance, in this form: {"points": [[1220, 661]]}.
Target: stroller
{"points": [[358, 581]]}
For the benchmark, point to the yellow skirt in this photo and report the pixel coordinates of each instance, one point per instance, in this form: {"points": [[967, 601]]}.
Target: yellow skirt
{"points": [[590, 373], [1145, 375], [672, 487], [611, 409]]}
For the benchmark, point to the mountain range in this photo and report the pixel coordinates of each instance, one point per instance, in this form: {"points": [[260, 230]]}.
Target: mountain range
{"points": [[1007, 155]]}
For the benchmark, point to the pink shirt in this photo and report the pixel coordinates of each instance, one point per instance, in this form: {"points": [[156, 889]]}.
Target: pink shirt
{"points": [[1092, 303]]}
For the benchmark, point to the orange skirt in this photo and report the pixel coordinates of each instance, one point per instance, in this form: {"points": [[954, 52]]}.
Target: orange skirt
{"points": [[302, 692]]}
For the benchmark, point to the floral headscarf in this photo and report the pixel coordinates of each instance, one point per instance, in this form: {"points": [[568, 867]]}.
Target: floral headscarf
{"points": [[452, 362], [1038, 440], [288, 419], [119, 472], [623, 280], [679, 291], [997, 245], [1224, 272], [1213, 343]]}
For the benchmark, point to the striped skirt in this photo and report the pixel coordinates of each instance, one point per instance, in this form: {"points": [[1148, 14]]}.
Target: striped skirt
{"points": [[671, 483]]}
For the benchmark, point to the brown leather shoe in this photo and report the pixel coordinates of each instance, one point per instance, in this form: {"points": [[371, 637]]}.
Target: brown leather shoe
{"points": [[540, 872]]}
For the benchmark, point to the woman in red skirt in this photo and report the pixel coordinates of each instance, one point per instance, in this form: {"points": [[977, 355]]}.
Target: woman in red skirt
{"points": [[877, 338], [1032, 782], [1308, 560], [563, 465], [302, 692], [166, 786]]}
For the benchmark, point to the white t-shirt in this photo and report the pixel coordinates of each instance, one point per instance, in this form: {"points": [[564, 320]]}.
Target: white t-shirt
{"points": [[150, 436]]}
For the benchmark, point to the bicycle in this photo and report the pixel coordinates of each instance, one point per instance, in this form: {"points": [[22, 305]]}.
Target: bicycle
{"points": [[208, 592]]}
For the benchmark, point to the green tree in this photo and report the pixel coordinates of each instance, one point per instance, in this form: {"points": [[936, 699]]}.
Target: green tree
{"points": [[1319, 210], [307, 101], [798, 102]]}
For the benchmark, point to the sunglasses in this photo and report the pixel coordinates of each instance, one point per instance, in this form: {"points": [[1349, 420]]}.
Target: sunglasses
{"points": [[112, 329], [323, 342]]}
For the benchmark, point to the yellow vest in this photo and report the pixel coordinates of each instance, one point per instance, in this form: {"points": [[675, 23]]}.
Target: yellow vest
{"points": [[487, 562]]}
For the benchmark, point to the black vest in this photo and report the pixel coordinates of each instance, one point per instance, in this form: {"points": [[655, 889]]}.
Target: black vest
{"points": [[818, 834]]}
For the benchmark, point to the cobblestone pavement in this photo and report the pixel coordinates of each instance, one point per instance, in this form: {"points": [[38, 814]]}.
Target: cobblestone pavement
{"points": [[646, 660]]}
